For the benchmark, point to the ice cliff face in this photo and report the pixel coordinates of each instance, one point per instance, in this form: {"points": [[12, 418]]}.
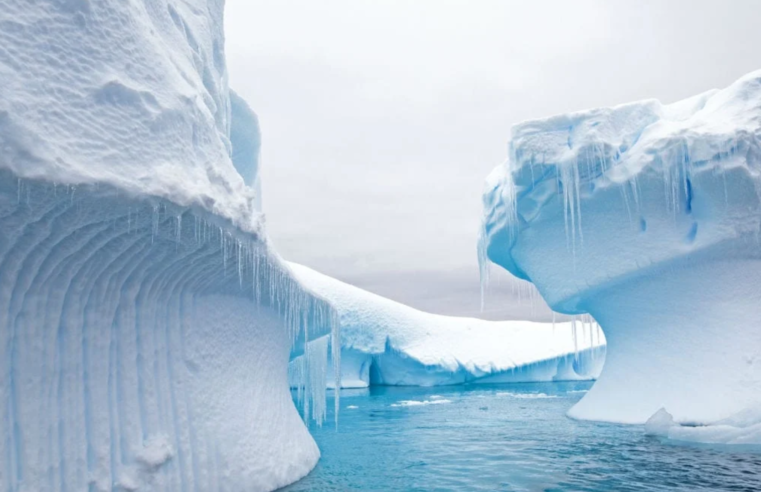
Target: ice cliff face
{"points": [[647, 216], [385, 342], [145, 324]]}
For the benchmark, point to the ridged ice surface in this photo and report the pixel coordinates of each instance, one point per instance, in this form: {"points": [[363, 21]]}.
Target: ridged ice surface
{"points": [[385, 342], [145, 324], [648, 217], [144, 347]]}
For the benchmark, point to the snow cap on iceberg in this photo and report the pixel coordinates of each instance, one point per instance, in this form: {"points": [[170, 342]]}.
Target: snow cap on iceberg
{"points": [[131, 95]]}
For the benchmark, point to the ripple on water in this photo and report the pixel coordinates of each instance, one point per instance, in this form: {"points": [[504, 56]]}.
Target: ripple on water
{"points": [[507, 438]]}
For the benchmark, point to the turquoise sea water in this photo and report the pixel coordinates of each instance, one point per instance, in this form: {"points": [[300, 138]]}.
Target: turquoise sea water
{"points": [[506, 438]]}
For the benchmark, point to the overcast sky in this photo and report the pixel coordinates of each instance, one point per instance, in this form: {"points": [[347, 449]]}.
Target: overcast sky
{"points": [[381, 119]]}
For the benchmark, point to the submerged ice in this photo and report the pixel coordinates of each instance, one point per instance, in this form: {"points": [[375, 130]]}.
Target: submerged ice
{"points": [[648, 217], [387, 343]]}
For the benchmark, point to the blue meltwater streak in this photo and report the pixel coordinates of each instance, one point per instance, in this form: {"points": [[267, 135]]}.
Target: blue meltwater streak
{"points": [[512, 437]]}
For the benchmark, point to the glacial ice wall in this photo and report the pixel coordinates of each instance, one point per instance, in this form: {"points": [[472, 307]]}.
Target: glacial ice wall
{"points": [[145, 323], [646, 216], [145, 346], [387, 343]]}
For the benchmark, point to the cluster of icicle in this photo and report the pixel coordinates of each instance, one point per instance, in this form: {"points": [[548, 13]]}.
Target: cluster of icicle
{"points": [[573, 176], [525, 291], [583, 326], [310, 373], [259, 272], [677, 163]]}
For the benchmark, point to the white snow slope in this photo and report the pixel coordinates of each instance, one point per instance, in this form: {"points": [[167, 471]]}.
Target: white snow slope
{"points": [[647, 216], [387, 343], [145, 324]]}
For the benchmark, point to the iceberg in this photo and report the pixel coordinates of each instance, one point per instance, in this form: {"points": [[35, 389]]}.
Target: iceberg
{"points": [[648, 217], [384, 342], [145, 323]]}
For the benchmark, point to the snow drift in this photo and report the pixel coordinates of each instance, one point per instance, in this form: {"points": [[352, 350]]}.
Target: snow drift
{"points": [[387, 343], [647, 216], [145, 324]]}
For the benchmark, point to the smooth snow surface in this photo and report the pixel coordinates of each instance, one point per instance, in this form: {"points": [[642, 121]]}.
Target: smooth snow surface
{"points": [[648, 217], [385, 342], [145, 324]]}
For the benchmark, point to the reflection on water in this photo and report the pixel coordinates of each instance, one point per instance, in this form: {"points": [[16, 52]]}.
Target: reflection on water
{"points": [[509, 438]]}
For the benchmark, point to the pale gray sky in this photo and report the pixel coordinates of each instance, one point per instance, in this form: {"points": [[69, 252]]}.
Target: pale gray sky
{"points": [[381, 119]]}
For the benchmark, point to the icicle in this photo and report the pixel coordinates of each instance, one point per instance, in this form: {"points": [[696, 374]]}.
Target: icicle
{"points": [[223, 245], [316, 358], [335, 338], [483, 265], [154, 223], [575, 338], [240, 264]]}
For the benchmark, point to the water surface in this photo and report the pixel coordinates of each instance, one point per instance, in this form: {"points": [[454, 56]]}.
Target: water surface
{"points": [[510, 437]]}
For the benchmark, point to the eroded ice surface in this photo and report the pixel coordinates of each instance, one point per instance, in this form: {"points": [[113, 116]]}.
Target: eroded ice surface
{"points": [[647, 216], [386, 342], [145, 324]]}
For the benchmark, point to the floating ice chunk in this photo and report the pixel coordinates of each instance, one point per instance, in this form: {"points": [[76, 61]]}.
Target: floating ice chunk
{"points": [[418, 403], [526, 396], [743, 428], [659, 424]]}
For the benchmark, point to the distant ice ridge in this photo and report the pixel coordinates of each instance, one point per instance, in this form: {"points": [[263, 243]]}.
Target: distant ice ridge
{"points": [[145, 324], [648, 217], [387, 343]]}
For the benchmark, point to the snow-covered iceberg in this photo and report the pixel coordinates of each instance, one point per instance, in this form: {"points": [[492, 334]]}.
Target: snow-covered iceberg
{"points": [[388, 343], [648, 217], [145, 324]]}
